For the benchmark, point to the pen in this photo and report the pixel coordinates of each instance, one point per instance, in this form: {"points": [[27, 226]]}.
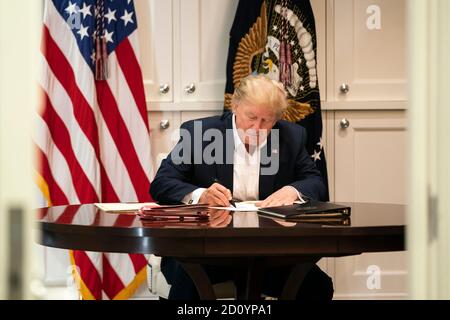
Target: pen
{"points": [[231, 201]]}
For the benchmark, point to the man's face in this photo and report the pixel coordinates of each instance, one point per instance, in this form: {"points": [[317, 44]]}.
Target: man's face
{"points": [[254, 122]]}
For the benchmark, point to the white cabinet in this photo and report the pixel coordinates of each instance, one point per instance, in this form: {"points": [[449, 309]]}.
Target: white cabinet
{"points": [[204, 32], [155, 32], [184, 47], [367, 139], [369, 166], [370, 156], [369, 53]]}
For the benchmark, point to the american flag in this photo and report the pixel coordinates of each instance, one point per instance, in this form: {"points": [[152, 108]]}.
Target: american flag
{"points": [[93, 140]]}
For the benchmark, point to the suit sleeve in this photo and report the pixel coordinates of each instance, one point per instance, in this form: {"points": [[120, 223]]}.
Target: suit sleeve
{"points": [[173, 179], [309, 180]]}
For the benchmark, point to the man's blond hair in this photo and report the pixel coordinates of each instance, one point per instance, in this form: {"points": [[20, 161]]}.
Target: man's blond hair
{"points": [[261, 91]]}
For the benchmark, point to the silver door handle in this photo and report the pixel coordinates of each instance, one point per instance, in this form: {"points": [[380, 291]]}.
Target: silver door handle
{"points": [[164, 88], [345, 123], [164, 124], [345, 88], [190, 88]]}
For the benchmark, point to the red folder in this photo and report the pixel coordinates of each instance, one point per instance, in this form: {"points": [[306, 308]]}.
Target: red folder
{"points": [[176, 213]]}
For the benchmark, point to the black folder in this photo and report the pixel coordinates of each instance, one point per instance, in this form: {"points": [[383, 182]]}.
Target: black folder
{"points": [[309, 210]]}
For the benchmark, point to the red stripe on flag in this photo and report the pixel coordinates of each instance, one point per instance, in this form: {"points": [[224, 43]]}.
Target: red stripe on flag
{"points": [[133, 75], [111, 281], [88, 273], [122, 139], [108, 193], [57, 196], [84, 115], [139, 261], [61, 137]]}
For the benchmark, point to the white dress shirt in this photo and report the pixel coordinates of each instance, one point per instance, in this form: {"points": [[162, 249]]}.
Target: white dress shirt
{"points": [[246, 167]]}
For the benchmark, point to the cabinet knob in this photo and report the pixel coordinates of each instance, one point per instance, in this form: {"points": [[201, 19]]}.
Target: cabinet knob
{"points": [[345, 123], [345, 88], [190, 88], [164, 124], [164, 88]]}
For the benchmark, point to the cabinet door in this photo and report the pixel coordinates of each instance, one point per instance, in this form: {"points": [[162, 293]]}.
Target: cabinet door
{"points": [[370, 156], [370, 166], [204, 37], [156, 52], [370, 50]]}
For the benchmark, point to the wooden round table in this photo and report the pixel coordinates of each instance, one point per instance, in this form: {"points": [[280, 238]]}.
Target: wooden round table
{"points": [[246, 238]]}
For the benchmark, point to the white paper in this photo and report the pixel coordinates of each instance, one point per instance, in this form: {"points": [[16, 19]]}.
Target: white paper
{"points": [[118, 207], [249, 206]]}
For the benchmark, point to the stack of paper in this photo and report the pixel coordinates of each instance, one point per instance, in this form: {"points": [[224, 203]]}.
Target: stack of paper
{"points": [[123, 207]]}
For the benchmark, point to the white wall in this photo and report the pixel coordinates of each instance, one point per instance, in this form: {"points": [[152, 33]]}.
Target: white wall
{"points": [[20, 26]]}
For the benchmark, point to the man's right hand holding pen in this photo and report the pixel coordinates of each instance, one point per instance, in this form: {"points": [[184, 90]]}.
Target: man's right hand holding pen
{"points": [[216, 195]]}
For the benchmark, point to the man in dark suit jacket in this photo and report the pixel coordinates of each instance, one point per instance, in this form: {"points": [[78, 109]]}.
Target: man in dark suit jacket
{"points": [[210, 164]]}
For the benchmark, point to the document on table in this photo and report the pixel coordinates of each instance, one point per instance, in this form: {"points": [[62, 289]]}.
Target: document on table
{"points": [[249, 206], [241, 206], [123, 207]]}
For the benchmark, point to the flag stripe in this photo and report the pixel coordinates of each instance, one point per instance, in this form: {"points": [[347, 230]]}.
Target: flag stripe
{"points": [[61, 137], [115, 167], [118, 262], [63, 106], [139, 261], [132, 72], [57, 196], [111, 277], [59, 169], [85, 268], [134, 42], [123, 141], [130, 114]]}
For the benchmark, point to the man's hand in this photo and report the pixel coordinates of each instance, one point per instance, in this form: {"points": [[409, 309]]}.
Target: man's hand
{"points": [[285, 196], [216, 195]]}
